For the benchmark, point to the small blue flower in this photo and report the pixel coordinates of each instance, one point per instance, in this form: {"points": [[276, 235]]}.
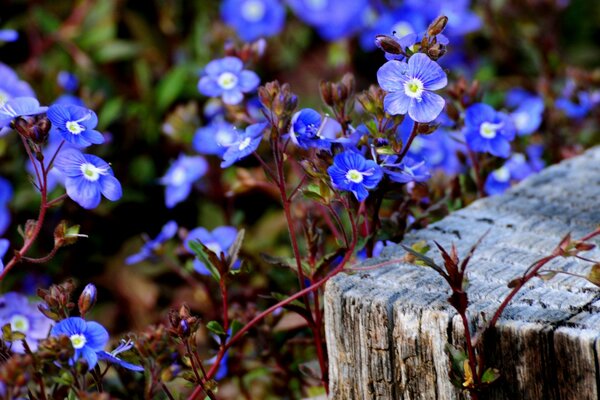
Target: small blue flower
{"points": [[515, 169], [111, 357], [219, 240], [333, 19], [55, 177], [487, 130], [67, 81], [253, 19], [180, 176], [19, 107], [306, 130], [534, 154], [527, 116], [246, 143], [87, 177], [226, 78], [76, 124], [150, 247], [24, 317], [87, 338], [8, 35], [410, 169], [214, 138], [352, 172], [409, 87]]}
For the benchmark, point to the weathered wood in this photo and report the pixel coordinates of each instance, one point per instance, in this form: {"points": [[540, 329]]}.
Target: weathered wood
{"points": [[387, 328]]}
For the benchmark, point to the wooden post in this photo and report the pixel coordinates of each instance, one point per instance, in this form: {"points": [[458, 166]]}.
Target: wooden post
{"points": [[387, 328]]}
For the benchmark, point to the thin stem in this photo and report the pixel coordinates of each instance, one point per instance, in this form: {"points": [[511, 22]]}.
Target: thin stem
{"points": [[57, 200], [44, 259], [167, 392], [33, 161], [223, 288]]}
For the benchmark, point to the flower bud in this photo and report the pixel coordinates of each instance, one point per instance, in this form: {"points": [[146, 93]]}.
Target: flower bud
{"points": [[388, 44], [437, 26], [87, 299]]}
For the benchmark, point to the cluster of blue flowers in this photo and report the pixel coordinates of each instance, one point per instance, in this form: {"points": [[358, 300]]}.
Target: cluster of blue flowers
{"points": [[24, 317]]}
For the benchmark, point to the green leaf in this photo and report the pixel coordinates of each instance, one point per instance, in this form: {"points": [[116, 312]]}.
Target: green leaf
{"points": [[426, 260], [117, 50], [313, 192], [216, 328], [170, 86], [208, 257], [278, 261], [490, 375], [234, 250], [235, 327]]}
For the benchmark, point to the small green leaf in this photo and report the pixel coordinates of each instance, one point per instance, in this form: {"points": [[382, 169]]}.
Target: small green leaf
{"points": [[490, 375], [216, 328], [170, 86], [208, 257], [235, 327]]}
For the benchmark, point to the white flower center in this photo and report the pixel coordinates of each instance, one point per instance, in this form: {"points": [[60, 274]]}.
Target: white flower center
{"points": [[18, 323], [227, 80], [488, 130], [414, 88], [253, 10], [4, 97], [354, 176], [244, 143], [502, 174], [521, 119], [91, 172], [78, 341], [316, 5], [224, 137], [74, 127], [402, 28], [178, 177]]}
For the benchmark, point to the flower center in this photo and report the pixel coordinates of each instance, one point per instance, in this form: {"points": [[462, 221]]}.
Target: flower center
{"points": [[488, 130], [78, 341], [3, 97], [414, 88], [253, 10], [402, 28], [91, 172], [227, 80], [19, 323], [502, 174], [244, 143], [178, 177], [74, 127], [354, 176]]}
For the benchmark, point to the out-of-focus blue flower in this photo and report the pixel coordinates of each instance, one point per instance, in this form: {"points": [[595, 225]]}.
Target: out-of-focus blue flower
{"points": [[180, 176], [87, 177], [75, 124], [227, 78], [461, 20], [6, 194], [245, 144], [409, 87], [111, 357], [219, 240], [11, 86], [24, 317], [69, 99], [214, 138], [8, 35], [19, 107], [400, 22], [333, 19], [151, 246], [353, 172], [487, 130], [515, 169], [527, 116], [67, 81], [578, 108], [253, 19], [87, 337], [534, 154], [410, 169]]}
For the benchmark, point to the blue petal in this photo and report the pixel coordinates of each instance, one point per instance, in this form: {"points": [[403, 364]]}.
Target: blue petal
{"points": [[89, 355], [232, 97], [93, 136], [248, 81], [96, 336], [427, 71], [110, 187], [68, 327], [176, 194], [396, 103], [84, 192], [69, 162], [225, 236], [103, 355], [426, 110], [392, 76], [208, 86]]}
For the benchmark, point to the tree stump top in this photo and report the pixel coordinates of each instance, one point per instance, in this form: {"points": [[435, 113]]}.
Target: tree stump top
{"points": [[387, 328]]}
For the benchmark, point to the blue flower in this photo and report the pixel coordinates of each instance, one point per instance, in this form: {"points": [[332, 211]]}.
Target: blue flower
{"points": [[6, 194], [8, 35], [227, 78], [87, 177], [214, 138], [333, 19], [67, 81], [527, 116], [76, 124], [253, 19], [24, 317], [306, 130], [246, 143], [11, 86], [461, 20], [111, 357], [487, 130], [515, 169], [19, 107], [180, 176], [534, 153], [150, 247], [409, 87], [55, 176], [219, 240], [400, 22], [87, 338], [410, 169], [352, 172]]}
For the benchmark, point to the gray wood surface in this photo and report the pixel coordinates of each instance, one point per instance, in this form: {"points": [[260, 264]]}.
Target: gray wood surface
{"points": [[386, 328]]}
